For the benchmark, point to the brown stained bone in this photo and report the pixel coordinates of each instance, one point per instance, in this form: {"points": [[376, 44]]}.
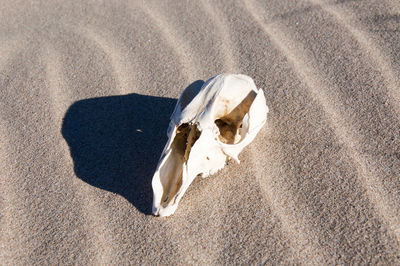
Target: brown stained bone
{"points": [[194, 135], [229, 124], [185, 138]]}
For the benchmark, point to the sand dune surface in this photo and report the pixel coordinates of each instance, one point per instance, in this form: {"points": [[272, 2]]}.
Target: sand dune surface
{"points": [[86, 92]]}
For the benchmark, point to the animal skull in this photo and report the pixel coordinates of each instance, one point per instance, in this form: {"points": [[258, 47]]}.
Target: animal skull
{"points": [[205, 129]]}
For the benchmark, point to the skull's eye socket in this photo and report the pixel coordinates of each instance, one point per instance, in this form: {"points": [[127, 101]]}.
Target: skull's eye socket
{"points": [[227, 130], [231, 123]]}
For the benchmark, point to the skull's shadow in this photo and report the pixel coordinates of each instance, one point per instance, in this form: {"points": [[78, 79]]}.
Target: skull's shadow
{"points": [[115, 142]]}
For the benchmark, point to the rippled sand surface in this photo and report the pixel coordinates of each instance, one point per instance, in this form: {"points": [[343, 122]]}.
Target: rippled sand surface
{"points": [[86, 91]]}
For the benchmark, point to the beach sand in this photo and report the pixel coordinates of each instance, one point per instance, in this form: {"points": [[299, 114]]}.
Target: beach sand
{"points": [[86, 92]]}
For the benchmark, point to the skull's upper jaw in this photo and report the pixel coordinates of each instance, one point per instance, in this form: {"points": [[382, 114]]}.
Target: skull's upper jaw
{"points": [[189, 155], [171, 171]]}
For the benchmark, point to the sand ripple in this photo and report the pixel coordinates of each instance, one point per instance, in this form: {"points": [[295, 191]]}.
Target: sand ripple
{"points": [[86, 90]]}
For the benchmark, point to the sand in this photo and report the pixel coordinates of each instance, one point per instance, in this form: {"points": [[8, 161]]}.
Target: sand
{"points": [[86, 91]]}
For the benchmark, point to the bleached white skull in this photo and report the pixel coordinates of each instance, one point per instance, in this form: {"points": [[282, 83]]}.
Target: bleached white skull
{"points": [[205, 129]]}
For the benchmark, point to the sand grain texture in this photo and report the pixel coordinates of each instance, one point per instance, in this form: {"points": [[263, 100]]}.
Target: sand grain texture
{"points": [[86, 92]]}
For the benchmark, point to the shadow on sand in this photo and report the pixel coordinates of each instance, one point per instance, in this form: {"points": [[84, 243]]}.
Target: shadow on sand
{"points": [[115, 142]]}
